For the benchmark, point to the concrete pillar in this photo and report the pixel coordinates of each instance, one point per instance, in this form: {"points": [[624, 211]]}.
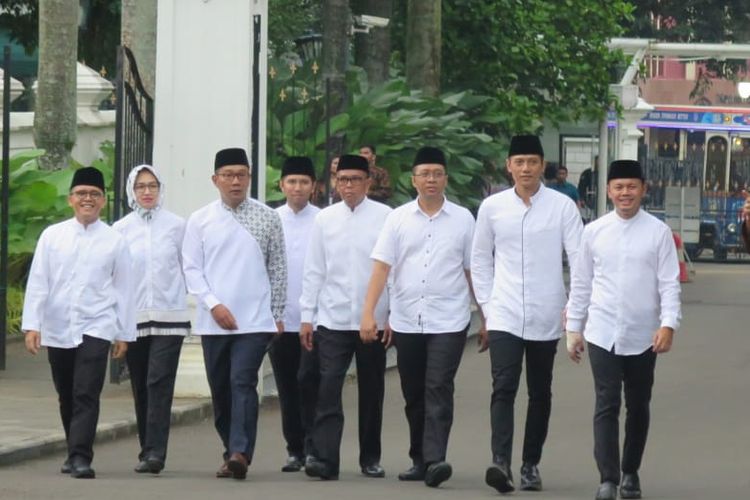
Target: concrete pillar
{"points": [[628, 131]]}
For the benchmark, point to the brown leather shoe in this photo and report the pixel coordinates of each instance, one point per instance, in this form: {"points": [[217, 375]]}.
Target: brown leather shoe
{"points": [[224, 471], [238, 465]]}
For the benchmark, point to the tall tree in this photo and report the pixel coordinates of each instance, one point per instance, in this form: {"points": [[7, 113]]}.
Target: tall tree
{"points": [[55, 113], [372, 51], [336, 28], [423, 45], [138, 33], [540, 58]]}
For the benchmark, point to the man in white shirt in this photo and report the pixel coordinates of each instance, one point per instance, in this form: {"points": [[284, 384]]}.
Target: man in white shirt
{"points": [[516, 268], [295, 369], [235, 266], [625, 288], [427, 245], [337, 269], [79, 299]]}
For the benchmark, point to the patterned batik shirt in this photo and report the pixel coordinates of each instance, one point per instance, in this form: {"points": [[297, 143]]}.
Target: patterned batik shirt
{"points": [[264, 224]]}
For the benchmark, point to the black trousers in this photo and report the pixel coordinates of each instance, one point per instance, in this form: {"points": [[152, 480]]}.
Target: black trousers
{"points": [[336, 348], [427, 365], [297, 374], [506, 356], [611, 373], [232, 363], [78, 374], [152, 363]]}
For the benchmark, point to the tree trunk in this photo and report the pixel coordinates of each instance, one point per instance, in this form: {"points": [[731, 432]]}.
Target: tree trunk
{"points": [[423, 45], [372, 51], [55, 117], [336, 25], [138, 33]]}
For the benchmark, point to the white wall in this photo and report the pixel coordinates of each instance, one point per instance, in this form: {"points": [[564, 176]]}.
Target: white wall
{"points": [[204, 89]]}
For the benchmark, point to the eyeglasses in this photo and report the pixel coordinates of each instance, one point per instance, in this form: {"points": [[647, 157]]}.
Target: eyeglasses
{"points": [[151, 186], [430, 175], [240, 176], [94, 195], [354, 181]]}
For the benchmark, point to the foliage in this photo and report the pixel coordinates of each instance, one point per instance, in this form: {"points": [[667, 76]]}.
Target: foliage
{"points": [[710, 21], [289, 19], [398, 121], [14, 309], [39, 198], [98, 37], [546, 59]]}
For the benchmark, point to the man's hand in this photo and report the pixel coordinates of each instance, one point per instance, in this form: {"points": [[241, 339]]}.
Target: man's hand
{"points": [[279, 327], [119, 349], [33, 340], [576, 346], [483, 339], [306, 336], [224, 317], [663, 340], [387, 336], [368, 328]]}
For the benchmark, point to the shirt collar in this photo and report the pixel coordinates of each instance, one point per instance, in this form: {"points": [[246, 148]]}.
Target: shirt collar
{"points": [[83, 229], [240, 208], [445, 208], [534, 197]]}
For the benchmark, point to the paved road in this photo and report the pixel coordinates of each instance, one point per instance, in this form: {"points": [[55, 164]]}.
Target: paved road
{"points": [[697, 449]]}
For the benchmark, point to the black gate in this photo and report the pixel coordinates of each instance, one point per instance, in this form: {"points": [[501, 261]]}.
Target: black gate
{"points": [[134, 143], [134, 126]]}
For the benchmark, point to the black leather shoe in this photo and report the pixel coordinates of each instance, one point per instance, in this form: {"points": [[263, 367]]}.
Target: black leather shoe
{"points": [[530, 478], [630, 487], [606, 491], [373, 470], [142, 467], [81, 470], [437, 473], [293, 464], [154, 464], [499, 477], [65, 469], [414, 473], [316, 468]]}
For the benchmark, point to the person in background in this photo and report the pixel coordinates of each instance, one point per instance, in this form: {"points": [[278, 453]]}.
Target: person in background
{"points": [[154, 237], [295, 370], [561, 184], [380, 182], [78, 302]]}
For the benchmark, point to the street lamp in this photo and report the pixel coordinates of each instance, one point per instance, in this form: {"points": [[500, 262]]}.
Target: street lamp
{"points": [[309, 45]]}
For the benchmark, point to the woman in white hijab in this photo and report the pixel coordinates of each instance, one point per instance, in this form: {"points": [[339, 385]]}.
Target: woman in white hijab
{"points": [[154, 237]]}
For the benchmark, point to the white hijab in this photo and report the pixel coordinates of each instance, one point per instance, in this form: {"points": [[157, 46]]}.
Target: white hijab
{"points": [[130, 190]]}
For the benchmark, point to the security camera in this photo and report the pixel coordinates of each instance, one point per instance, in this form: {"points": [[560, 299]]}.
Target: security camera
{"points": [[364, 23]]}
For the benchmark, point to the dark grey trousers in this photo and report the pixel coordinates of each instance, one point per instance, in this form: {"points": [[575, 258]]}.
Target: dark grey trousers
{"points": [[612, 373], [152, 363], [427, 365]]}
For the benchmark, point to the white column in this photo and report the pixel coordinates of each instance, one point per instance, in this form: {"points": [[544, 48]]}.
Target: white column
{"points": [[629, 133]]}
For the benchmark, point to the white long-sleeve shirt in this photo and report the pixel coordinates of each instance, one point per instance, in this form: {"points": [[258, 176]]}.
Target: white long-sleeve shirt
{"points": [[155, 245], [627, 281], [338, 266], [516, 261], [297, 229], [429, 257], [79, 284], [224, 264]]}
